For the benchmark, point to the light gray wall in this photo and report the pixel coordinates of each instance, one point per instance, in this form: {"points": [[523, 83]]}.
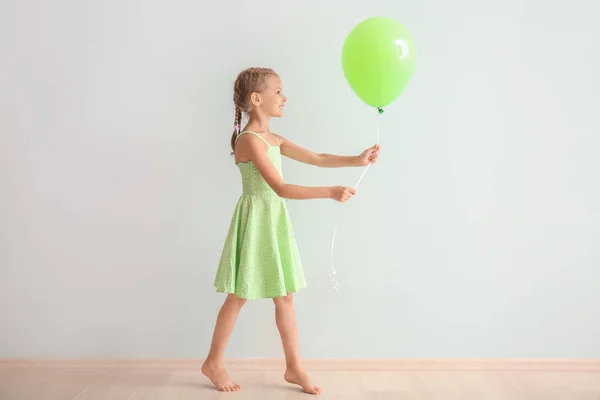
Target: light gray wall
{"points": [[477, 234]]}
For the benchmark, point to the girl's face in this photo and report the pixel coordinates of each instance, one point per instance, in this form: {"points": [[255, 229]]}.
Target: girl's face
{"points": [[271, 101]]}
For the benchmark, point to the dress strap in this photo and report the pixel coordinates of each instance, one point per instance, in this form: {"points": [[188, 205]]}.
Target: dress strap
{"points": [[255, 134]]}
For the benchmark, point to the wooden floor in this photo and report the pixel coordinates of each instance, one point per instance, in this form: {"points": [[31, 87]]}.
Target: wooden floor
{"points": [[20, 381]]}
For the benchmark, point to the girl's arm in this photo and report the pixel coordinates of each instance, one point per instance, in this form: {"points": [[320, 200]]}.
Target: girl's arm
{"points": [[254, 148], [306, 156]]}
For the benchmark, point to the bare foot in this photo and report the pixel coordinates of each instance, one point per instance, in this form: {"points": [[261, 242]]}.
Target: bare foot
{"points": [[299, 377], [219, 377]]}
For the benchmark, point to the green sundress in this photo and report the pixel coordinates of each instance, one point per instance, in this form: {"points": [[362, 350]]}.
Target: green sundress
{"points": [[260, 257]]}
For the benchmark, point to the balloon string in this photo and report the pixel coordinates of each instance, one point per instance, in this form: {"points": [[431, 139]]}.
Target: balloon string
{"points": [[333, 273]]}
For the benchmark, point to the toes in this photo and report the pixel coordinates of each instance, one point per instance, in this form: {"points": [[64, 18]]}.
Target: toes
{"points": [[233, 387]]}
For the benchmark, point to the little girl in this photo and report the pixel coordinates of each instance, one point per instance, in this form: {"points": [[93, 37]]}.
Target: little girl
{"points": [[260, 258]]}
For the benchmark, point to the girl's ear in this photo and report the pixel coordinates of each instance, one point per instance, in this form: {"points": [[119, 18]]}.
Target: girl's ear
{"points": [[255, 99]]}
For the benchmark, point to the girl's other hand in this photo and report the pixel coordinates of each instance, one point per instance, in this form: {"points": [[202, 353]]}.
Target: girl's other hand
{"points": [[369, 156], [342, 193]]}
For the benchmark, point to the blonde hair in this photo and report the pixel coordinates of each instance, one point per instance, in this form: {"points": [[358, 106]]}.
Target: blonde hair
{"points": [[247, 82]]}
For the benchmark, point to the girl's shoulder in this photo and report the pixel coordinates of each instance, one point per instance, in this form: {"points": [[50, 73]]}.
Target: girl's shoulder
{"points": [[248, 137], [269, 138], [280, 139]]}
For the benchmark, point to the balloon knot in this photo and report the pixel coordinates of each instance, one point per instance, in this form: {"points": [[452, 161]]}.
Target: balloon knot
{"points": [[380, 110]]}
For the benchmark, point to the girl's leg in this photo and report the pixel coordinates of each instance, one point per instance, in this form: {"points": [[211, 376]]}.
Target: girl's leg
{"points": [[285, 316], [213, 365]]}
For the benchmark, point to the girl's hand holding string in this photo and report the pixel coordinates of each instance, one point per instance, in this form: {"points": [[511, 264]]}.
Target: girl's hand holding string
{"points": [[369, 156], [342, 193]]}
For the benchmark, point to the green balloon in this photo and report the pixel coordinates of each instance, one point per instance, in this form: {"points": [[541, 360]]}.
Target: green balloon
{"points": [[378, 59]]}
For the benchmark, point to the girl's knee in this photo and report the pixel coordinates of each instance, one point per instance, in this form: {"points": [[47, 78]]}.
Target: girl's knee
{"points": [[237, 301], [284, 300]]}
